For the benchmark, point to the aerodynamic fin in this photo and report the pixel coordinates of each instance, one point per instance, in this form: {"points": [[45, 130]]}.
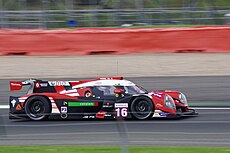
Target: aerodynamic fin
{"points": [[17, 85]]}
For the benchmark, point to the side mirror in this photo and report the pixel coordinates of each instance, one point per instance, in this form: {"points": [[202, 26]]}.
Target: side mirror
{"points": [[118, 91]]}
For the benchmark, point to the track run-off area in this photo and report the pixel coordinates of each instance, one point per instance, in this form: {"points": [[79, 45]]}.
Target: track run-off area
{"points": [[209, 95]]}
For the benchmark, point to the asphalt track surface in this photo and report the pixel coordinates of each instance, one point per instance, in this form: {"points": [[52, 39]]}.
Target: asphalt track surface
{"points": [[210, 128]]}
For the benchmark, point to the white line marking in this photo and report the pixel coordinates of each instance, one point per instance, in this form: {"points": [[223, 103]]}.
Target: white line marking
{"points": [[112, 123], [4, 106]]}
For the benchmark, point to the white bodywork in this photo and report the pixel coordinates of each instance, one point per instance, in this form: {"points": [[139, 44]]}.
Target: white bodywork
{"points": [[105, 83]]}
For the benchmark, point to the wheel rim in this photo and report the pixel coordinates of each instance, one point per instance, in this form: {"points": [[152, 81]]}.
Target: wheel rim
{"points": [[142, 109], [36, 109]]}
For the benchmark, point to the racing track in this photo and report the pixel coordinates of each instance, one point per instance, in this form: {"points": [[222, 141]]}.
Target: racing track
{"points": [[210, 128]]}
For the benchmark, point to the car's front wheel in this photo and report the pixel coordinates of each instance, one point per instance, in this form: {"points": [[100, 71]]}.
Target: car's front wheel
{"points": [[37, 108], [142, 108]]}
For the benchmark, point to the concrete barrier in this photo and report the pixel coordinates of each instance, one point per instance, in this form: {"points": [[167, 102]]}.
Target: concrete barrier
{"points": [[86, 41]]}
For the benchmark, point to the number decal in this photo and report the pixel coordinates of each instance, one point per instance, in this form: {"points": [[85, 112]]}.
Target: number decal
{"points": [[63, 109], [121, 110]]}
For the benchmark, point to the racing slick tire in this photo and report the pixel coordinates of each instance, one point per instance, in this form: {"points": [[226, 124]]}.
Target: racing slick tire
{"points": [[142, 108], [37, 108]]}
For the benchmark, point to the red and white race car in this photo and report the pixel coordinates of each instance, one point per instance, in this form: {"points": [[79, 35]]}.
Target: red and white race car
{"points": [[110, 97]]}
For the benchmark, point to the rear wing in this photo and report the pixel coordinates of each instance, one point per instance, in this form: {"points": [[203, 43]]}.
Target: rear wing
{"points": [[39, 86], [17, 85]]}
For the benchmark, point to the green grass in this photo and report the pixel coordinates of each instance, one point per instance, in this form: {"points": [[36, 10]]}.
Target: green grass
{"points": [[109, 149]]}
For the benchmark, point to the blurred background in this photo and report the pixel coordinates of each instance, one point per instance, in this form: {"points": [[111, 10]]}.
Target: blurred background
{"points": [[51, 14], [186, 66]]}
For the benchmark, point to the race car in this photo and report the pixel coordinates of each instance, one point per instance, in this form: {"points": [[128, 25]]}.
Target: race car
{"points": [[106, 98]]}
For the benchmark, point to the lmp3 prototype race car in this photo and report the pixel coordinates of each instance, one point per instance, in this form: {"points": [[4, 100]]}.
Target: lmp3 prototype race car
{"points": [[107, 98]]}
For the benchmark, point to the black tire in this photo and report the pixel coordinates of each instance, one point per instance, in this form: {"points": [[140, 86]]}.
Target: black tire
{"points": [[37, 108], [142, 108]]}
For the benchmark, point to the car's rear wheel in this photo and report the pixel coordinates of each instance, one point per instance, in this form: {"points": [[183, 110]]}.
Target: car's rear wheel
{"points": [[37, 108], [142, 108]]}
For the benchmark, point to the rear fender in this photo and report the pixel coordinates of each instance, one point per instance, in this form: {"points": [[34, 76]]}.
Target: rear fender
{"points": [[49, 99], [15, 106]]}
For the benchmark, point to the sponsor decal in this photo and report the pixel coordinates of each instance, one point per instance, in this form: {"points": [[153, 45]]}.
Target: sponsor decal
{"points": [[100, 114], [59, 83], [157, 95], [43, 84], [159, 113], [109, 78], [63, 109], [121, 105], [159, 105], [107, 105], [68, 91], [108, 115], [82, 104], [18, 107], [163, 114], [13, 102], [88, 116], [15, 84], [121, 110]]}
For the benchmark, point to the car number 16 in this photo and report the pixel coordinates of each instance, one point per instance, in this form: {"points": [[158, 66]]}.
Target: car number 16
{"points": [[121, 110]]}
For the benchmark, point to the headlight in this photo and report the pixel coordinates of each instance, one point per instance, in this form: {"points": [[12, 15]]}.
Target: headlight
{"points": [[169, 102], [183, 99]]}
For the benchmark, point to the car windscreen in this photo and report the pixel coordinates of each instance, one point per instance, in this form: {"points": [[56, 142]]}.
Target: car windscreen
{"points": [[134, 90]]}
